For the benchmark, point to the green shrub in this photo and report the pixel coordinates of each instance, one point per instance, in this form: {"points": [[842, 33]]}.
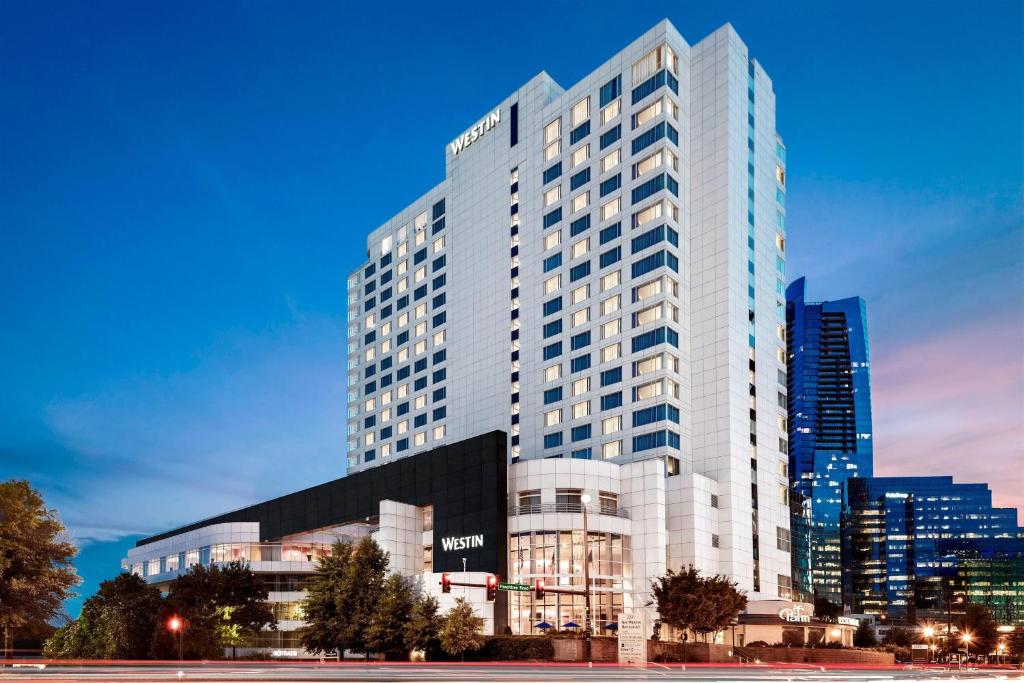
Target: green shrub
{"points": [[513, 648]]}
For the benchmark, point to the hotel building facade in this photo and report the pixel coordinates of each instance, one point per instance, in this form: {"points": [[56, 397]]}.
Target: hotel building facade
{"points": [[598, 283]]}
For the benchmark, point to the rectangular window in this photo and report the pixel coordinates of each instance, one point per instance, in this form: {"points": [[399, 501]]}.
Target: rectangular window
{"points": [[553, 440], [610, 160], [579, 225], [552, 239], [552, 284], [612, 449], [612, 376], [611, 401], [552, 262], [579, 180], [576, 272], [579, 363], [553, 131], [580, 293], [552, 395], [610, 425], [553, 218], [579, 341], [552, 372], [611, 352], [552, 350], [552, 150], [610, 305], [610, 328], [553, 417], [552, 173], [553, 194], [580, 433], [552, 306], [581, 201], [611, 90], [579, 132], [611, 111], [580, 155], [611, 184], [611, 232], [552, 328], [611, 136], [610, 208], [610, 280], [581, 317], [611, 256], [647, 189]]}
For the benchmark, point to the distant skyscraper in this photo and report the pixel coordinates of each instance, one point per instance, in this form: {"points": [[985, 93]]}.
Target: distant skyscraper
{"points": [[910, 544], [829, 419]]}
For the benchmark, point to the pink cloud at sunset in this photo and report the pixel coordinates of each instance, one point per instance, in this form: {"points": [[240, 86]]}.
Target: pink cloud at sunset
{"points": [[953, 404]]}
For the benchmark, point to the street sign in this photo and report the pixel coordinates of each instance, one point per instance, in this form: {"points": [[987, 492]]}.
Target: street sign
{"points": [[521, 587]]}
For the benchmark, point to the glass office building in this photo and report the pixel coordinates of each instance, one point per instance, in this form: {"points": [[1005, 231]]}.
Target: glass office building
{"points": [[829, 420], [913, 547]]}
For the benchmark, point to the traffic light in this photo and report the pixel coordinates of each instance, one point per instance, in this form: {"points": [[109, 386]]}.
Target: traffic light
{"points": [[492, 587], [538, 588], [446, 583]]}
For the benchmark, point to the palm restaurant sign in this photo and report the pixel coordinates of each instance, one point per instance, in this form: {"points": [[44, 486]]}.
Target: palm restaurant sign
{"points": [[794, 613], [476, 132]]}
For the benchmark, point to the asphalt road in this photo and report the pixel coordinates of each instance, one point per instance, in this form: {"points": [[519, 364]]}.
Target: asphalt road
{"points": [[288, 673]]}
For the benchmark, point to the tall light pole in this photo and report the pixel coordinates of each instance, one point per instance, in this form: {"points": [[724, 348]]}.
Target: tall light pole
{"points": [[585, 500], [177, 626], [967, 643], [928, 632]]}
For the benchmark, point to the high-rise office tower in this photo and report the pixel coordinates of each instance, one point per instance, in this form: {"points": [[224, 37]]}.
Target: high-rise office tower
{"points": [[829, 419], [919, 548], [601, 275], [591, 307]]}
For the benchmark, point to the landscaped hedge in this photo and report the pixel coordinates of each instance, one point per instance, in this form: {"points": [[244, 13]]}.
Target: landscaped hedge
{"points": [[510, 648]]}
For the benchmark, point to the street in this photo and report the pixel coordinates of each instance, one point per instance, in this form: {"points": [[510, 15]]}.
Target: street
{"points": [[296, 672]]}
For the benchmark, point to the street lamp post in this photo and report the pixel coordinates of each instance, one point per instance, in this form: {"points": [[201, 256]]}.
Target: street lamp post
{"points": [[584, 500], [177, 627], [967, 644], [928, 633]]}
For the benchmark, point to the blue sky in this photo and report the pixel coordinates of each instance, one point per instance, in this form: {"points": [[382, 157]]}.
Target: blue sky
{"points": [[185, 186]]}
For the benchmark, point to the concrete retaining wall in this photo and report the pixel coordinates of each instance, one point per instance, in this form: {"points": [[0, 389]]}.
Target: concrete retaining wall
{"points": [[817, 655]]}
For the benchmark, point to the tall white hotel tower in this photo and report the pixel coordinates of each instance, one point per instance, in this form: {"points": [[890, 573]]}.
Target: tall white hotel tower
{"points": [[601, 276]]}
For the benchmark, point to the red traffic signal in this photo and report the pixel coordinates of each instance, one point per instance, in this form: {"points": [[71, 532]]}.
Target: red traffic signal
{"points": [[492, 587], [538, 588], [446, 583]]}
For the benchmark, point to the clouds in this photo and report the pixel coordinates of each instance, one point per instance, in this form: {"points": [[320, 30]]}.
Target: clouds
{"points": [[259, 414], [944, 283]]}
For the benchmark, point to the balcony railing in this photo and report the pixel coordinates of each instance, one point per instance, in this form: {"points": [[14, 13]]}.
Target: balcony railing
{"points": [[577, 508]]}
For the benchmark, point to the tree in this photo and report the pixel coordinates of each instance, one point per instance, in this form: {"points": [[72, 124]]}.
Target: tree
{"points": [[825, 609], [343, 595], [221, 606], [978, 622], [421, 632], [1015, 643], [864, 636], [462, 630], [36, 574], [386, 632], [117, 622], [900, 637], [242, 605], [688, 601]]}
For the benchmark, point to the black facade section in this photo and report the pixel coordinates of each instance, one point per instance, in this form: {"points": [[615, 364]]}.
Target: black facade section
{"points": [[466, 482], [514, 125]]}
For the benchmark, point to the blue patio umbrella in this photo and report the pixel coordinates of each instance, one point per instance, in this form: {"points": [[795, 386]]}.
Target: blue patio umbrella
{"points": [[571, 624], [542, 625], [611, 627]]}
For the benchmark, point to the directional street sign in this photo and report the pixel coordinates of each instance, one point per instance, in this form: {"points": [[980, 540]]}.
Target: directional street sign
{"points": [[522, 587]]}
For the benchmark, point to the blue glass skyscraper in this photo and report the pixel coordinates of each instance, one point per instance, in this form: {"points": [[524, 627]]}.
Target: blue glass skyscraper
{"points": [[829, 420], [912, 545]]}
